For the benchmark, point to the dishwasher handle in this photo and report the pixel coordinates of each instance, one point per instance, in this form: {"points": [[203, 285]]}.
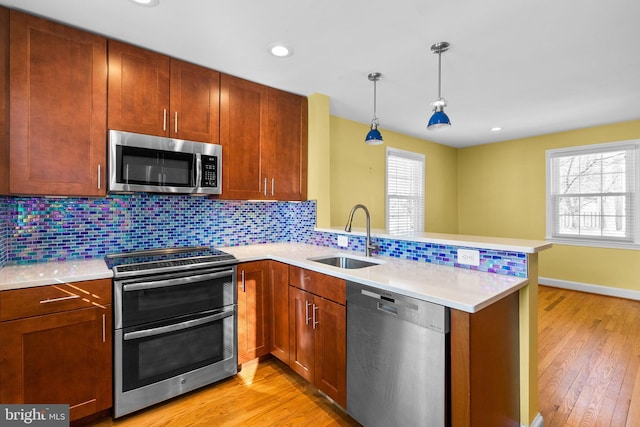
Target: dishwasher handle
{"points": [[412, 310]]}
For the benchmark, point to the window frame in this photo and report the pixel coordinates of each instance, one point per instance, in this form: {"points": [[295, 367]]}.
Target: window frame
{"points": [[390, 151], [633, 220]]}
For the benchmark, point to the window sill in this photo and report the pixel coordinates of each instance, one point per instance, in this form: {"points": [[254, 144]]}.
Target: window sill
{"points": [[594, 243]]}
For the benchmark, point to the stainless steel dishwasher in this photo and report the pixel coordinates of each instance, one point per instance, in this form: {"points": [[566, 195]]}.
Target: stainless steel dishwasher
{"points": [[396, 359]]}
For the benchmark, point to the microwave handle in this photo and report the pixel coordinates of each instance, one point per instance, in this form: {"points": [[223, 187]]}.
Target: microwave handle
{"points": [[198, 182]]}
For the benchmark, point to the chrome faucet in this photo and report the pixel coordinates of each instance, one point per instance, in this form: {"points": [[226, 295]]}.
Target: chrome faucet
{"points": [[368, 245]]}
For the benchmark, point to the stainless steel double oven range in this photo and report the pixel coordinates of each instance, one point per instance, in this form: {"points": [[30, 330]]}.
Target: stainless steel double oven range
{"points": [[175, 323]]}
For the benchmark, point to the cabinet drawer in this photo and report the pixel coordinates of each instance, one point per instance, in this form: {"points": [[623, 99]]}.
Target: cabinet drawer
{"points": [[328, 287], [21, 303]]}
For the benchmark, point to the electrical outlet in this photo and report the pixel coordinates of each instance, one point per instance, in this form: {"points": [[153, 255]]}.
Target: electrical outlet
{"points": [[343, 241], [469, 257]]}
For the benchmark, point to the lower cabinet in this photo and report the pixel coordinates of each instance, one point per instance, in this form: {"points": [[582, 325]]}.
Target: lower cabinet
{"points": [[317, 332], [56, 346], [279, 304], [253, 310]]}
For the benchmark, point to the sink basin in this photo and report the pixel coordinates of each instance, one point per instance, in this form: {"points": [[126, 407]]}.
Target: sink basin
{"points": [[343, 261]]}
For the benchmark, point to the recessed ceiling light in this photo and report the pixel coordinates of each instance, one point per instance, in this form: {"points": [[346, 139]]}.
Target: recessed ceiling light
{"points": [[280, 50], [496, 129], [146, 3]]}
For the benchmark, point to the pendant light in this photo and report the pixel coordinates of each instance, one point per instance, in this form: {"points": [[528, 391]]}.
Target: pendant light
{"points": [[439, 119], [374, 137]]}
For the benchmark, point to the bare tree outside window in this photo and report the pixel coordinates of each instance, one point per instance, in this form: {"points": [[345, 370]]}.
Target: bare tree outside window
{"points": [[592, 192]]}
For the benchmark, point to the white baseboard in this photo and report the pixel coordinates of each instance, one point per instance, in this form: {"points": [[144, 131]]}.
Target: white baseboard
{"points": [[537, 422], [594, 289]]}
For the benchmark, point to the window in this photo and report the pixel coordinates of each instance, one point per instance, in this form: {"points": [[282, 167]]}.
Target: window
{"points": [[405, 191], [591, 195]]}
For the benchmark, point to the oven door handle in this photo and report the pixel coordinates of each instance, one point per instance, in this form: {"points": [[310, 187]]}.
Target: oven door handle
{"points": [[178, 326], [173, 282]]}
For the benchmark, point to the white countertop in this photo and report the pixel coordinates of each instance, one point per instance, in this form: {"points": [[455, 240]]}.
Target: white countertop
{"points": [[458, 288], [51, 273], [480, 242]]}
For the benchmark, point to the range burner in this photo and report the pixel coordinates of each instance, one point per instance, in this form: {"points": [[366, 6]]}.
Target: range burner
{"points": [[165, 260]]}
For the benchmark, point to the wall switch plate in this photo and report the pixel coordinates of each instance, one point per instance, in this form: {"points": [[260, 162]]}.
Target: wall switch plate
{"points": [[469, 257], [343, 241]]}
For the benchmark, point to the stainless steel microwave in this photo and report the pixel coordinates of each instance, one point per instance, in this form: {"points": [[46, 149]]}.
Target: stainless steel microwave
{"points": [[157, 164]]}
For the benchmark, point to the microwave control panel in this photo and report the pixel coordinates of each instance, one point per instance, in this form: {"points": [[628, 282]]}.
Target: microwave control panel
{"points": [[209, 171]]}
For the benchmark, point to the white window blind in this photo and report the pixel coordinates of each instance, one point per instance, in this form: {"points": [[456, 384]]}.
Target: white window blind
{"points": [[592, 194], [405, 191]]}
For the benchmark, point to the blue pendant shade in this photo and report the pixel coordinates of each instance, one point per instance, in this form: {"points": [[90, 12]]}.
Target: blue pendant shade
{"points": [[438, 120], [374, 137]]}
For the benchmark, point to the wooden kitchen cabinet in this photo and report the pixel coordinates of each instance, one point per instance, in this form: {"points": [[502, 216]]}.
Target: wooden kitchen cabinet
{"points": [[57, 109], [253, 310], [287, 146], [154, 94], [317, 331], [485, 365], [279, 305], [57, 346], [264, 135]]}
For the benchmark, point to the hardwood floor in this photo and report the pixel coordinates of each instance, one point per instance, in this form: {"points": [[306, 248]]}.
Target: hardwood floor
{"points": [[264, 393], [589, 375], [589, 359]]}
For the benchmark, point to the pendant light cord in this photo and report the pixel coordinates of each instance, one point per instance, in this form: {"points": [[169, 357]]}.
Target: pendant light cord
{"points": [[375, 115], [439, 74]]}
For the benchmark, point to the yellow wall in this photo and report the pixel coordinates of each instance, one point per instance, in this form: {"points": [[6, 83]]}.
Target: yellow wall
{"points": [[501, 191], [358, 176], [318, 158]]}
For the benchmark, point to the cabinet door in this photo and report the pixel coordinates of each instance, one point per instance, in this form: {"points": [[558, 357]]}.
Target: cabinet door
{"points": [[279, 304], [138, 90], [301, 347], [58, 358], [287, 148], [243, 129], [57, 99], [253, 310], [195, 102], [330, 349]]}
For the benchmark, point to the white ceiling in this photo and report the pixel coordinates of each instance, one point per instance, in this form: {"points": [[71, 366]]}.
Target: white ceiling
{"points": [[532, 67]]}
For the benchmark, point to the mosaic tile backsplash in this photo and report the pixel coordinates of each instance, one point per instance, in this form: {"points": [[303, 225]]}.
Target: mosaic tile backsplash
{"points": [[47, 229]]}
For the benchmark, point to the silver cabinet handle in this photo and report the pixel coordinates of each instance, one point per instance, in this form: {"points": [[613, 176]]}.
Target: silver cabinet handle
{"points": [[306, 312], [99, 176], [164, 119], [272, 185], [104, 328], [49, 300], [265, 186], [175, 123], [179, 326], [243, 283], [315, 322]]}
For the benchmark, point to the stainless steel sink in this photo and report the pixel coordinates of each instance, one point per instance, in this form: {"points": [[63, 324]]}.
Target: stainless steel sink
{"points": [[343, 261]]}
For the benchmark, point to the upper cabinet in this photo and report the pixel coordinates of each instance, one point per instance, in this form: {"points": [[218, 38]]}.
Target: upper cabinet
{"points": [[287, 146], [263, 132], [57, 109], [153, 94]]}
